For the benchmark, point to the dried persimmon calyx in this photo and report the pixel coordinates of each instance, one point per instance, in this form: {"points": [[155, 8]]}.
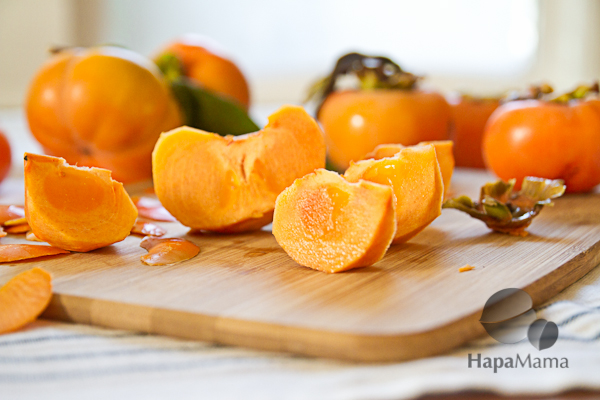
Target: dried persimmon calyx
{"points": [[506, 211]]}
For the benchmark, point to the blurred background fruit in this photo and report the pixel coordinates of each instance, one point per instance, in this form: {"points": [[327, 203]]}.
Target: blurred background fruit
{"points": [[553, 137], [384, 106], [469, 116], [102, 107], [205, 63], [5, 156]]}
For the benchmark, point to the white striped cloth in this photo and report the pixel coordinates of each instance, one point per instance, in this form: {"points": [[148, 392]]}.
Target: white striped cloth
{"points": [[62, 361]]}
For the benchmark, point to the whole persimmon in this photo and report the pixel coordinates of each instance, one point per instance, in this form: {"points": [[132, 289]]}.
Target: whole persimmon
{"points": [[469, 116], [102, 107], [5, 157], [556, 138], [384, 105], [205, 64]]}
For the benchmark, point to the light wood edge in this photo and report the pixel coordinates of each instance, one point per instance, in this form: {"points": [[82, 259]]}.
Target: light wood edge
{"points": [[303, 341]]}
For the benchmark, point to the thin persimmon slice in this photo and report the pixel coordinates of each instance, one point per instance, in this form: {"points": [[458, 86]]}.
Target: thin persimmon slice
{"points": [[16, 221], [151, 208], [167, 251], [22, 228], [9, 212], [147, 229], [17, 252], [75, 208], [24, 298], [2, 233]]}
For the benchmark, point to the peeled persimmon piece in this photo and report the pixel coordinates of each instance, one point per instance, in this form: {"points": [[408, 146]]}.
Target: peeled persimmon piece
{"points": [[75, 208], [326, 223], [152, 209], [230, 184], [147, 229], [17, 252], [23, 228], [443, 150], [167, 251], [415, 177], [24, 298], [8, 213]]}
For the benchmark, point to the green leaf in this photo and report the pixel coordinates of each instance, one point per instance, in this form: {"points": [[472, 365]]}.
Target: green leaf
{"points": [[210, 112]]}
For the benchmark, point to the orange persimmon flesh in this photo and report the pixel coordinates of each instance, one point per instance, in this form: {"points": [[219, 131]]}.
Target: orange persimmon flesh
{"points": [[22, 228], [415, 177], [2, 233], [75, 208], [17, 252], [24, 298], [329, 224], [229, 184], [167, 251], [443, 150], [147, 229]]}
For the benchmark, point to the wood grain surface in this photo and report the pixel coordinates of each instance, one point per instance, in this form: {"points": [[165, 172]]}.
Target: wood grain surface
{"points": [[244, 290]]}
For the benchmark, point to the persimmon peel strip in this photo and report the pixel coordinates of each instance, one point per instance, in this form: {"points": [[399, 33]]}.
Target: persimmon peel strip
{"points": [[167, 251], [16, 252]]}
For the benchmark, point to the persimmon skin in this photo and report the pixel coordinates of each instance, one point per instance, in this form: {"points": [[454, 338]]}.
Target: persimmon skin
{"points": [[102, 107], [469, 117], [5, 157], [355, 122], [546, 140], [208, 67]]}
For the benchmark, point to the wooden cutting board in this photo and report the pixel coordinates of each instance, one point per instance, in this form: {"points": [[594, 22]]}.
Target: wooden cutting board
{"points": [[244, 290]]}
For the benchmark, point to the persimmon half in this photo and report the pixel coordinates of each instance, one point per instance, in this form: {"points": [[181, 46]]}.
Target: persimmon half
{"points": [[546, 139], [326, 223], [206, 64], [24, 298], [103, 107], [443, 151], [416, 180], [5, 157], [229, 184], [75, 208]]}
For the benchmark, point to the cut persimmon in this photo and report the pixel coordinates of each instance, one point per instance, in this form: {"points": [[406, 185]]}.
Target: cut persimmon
{"points": [[415, 177], [10, 213], [147, 229], [443, 150], [24, 298], [22, 228], [229, 184], [18, 252], [167, 251], [329, 224], [75, 208]]}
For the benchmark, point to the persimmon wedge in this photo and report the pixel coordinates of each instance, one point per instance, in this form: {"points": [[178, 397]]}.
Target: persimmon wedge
{"points": [[75, 208], [443, 150], [229, 184], [24, 298], [326, 223], [415, 177]]}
